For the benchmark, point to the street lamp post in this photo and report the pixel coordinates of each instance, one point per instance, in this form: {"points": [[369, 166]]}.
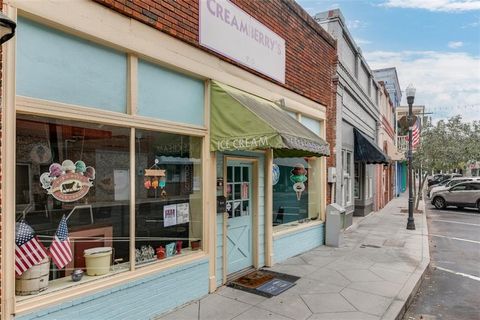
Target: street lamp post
{"points": [[7, 28], [410, 92]]}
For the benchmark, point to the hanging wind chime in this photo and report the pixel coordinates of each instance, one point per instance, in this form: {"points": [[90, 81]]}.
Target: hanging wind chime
{"points": [[155, 178]]}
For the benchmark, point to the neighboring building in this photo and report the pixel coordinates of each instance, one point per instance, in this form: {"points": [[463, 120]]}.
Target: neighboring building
{"points": [[390, 79], [357, 121], [472, 169], [134, 119], [386, 141]]}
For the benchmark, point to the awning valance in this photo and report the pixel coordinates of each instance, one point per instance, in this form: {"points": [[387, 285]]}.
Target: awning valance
{"points": [[242, 121], [367, 151]]}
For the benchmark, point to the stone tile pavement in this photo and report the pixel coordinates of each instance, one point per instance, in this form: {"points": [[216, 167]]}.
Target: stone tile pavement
{"points": [[373, 276]]}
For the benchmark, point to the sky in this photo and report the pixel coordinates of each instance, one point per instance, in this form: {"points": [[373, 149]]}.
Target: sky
{"points": [[434, 44]]}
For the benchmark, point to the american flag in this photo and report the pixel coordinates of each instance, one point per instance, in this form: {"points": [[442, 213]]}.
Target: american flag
{"points": [[60, 250], [29, 251], [415, 134]]}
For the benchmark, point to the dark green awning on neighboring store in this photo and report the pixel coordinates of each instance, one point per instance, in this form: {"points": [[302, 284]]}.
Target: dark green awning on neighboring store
{"points": [[242, 121], [367, 151]]}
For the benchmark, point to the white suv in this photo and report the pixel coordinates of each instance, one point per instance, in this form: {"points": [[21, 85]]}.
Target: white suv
{"points": [[466, 194], [451, 183]]}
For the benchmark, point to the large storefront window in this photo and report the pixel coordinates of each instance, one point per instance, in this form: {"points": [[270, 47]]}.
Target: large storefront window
{"points": [[296, 190], [168, 195], [73, 201], [72, 192]]}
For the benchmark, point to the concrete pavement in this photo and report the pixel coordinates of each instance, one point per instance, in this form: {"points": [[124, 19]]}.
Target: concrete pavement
{"points": [[373, 276]]}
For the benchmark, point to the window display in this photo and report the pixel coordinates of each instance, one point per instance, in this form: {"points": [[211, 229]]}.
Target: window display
{"points": [[296, 192], [67, 196], [168, 195], [73, 200]]}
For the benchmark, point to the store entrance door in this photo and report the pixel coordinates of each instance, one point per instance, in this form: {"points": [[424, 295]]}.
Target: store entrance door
{"points": [[240, 200]]}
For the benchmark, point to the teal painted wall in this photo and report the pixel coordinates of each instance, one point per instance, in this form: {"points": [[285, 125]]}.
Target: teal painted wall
{"points": [[261, 213], [168, 95], [140, 299], [294, 243], [53, 65]]}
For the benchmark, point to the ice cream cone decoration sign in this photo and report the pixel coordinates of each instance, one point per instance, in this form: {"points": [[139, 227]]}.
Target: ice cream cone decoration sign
{"points": [[298, 177], [68, 182]]}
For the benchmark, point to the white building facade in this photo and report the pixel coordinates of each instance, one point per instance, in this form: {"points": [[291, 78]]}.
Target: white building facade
{"points": [[357, 118]]}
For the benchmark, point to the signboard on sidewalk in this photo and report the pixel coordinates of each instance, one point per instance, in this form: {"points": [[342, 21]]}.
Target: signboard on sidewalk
{"points": [[230, 31]]}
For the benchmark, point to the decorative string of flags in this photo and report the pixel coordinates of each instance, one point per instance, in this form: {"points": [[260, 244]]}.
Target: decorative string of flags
{"points": [[29, 251]]}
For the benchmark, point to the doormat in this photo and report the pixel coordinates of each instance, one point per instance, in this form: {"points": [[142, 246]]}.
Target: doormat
{"points": [[264, 282], [275, 286]]}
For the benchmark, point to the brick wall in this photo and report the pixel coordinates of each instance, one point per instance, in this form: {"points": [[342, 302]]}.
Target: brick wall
{"points": [[310, 51]]}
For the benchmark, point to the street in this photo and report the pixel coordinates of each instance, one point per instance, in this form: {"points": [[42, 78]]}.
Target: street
{"points": [[451, 287]]}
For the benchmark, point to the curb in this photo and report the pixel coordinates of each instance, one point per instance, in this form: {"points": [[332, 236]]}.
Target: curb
{"points": [[404, 298]]}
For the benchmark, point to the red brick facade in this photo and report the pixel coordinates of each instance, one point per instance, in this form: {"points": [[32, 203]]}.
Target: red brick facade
{"points": [[310, 51]]}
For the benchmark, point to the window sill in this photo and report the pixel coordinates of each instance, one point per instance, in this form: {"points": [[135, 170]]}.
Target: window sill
{"points": [[281, 230], [63, 290]]}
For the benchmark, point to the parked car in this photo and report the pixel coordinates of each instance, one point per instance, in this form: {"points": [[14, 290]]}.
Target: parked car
{"points": [[435, 179], [465, 194], [442, 177], [442, 183], [450, 183]]}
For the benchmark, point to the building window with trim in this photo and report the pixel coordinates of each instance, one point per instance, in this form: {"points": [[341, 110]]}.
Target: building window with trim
{"points": [[168, 210], [74, 197], [76, 202], [296, 190], [347, 176], [368, 181], [356, 188]]}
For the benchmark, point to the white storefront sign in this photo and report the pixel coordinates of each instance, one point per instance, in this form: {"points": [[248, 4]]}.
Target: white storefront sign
{"points": [[230, 31]]}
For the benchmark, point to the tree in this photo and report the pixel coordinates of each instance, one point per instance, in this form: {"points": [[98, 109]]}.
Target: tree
{"points": [[447, 146]]}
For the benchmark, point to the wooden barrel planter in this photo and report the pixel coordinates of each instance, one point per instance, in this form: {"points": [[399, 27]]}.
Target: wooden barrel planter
{"points": [[34, 280]]}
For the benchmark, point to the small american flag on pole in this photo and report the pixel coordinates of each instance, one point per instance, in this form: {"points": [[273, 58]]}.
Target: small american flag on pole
{"points": [[60, 250], [29, 251]]}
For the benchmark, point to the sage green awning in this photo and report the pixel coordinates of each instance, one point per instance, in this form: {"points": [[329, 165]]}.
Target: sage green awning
{"points": [[242, 121]]}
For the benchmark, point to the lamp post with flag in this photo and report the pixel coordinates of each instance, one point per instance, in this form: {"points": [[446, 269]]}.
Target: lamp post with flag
{"points": [[410, 92]]}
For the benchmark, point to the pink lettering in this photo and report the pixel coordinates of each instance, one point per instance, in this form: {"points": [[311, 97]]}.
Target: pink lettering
{"points": [[219, 11], [227, 16], [243, 28], [234, 22], [209, 7]]}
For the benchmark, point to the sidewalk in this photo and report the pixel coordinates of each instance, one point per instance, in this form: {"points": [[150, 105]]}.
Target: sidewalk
{"points": [[371, 277]]}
